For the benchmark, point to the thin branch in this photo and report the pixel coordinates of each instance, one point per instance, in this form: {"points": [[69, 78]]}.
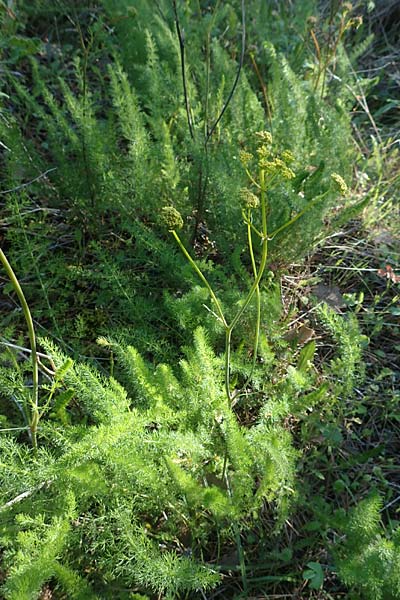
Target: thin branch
{"points": [[360, 98], [24, 495], [298, 215], [164, 18], [28, 350], [5, 147], [253, 181], [228, 100], [182, 53], [24, 185], [15, 429], [390, 504], [263, 89], [203, 279], [316, 44]]}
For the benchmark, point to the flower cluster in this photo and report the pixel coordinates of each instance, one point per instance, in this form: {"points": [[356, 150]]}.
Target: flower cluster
{"points": [[271, 163], [340, 184], [249, 199], [265, 137], [171, 218], [245, 157], [312, 21], [287, 156], [276, 166]]}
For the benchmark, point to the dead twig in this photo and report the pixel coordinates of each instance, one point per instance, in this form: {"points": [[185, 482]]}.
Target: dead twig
{"points": [[24, 185]]}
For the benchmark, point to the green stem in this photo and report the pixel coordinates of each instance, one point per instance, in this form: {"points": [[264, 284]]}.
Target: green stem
{"points": [[253, 290], [258, 305], [203, 279], [300, 214], [228, 335], [239, 546], [248, 222], [263, 256], [255, 287], [258, 302], [253, 181], [32, 339]]}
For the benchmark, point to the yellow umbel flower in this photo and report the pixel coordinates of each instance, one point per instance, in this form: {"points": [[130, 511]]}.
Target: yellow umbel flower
{"points": [[277, 167], [287, 156], [340, 184], [249, 199], [245, 157], [264, 136], [171, 218]]}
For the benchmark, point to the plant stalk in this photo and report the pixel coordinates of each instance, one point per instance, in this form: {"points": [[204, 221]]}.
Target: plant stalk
{"points": [[263, 256], [204, 280], [32, 340]]}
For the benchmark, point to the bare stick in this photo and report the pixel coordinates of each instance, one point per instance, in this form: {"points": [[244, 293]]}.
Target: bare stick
{"points": [[228, 100], [24, 185], [182, 53], [24, 495]]}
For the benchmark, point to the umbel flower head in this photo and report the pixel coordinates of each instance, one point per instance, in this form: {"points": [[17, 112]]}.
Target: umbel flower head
{"points": [[287, 156], [171, 218], [312, 21], [271, 163], [265, 137], [263, 151], [276, 166], [249, 199], [265, 141], [340, 184], [245, 157]]}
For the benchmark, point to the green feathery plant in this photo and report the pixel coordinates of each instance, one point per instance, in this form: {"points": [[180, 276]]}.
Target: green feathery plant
{"points": [[150, 471], [154, 480], [168, 466], [272, 169], [122, 125], [366, 556]]}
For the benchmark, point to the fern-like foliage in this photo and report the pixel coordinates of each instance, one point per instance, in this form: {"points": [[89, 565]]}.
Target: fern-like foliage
{"points": [[368, 560], [111, 125], [171, 455], [347, 366], [139, 476], [34, 556]]}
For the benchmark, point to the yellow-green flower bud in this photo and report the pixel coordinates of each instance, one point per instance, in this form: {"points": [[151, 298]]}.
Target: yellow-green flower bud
{"points": [[249, 199], [355, 22], [245, 157], [340, 184], [285, 171], [276, 167], [264, 136], [171, 218], [287, 156], [263, 152]]}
